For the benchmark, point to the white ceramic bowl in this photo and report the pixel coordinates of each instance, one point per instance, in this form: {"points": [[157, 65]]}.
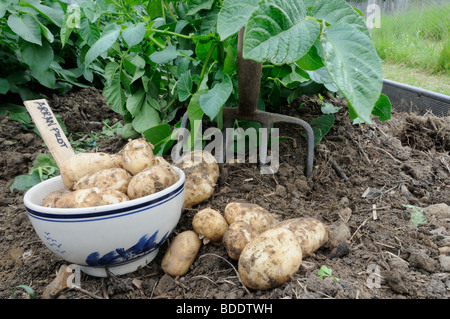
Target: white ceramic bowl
{"points": [[119, 237]]}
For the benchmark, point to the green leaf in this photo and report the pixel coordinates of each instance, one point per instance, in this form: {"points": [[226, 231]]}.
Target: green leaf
{"points": [[354, 66], [328, 108], [311, 61], [89, 32], [107, 39], [230, 63], [279, 31], [134, 35], [115, 97], [4, 86], [135, 101], [26, 27], [194, 109], [338, 11], [24, 182], [213, 101], [44, 160], [28, 289], [195, 6], [154, 9], [37, 57], [158, 136], [233, 16], [164, 56], [53, 14], [382, 108], [321, 126], [184, 86], [148, 116], [417, 215], [92, 10]]}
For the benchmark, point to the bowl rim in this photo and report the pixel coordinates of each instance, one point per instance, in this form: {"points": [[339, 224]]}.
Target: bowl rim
{"points": [[105, 210]]}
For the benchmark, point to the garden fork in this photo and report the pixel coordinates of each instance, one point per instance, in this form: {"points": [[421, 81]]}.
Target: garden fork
{"points": [[249, 82]]}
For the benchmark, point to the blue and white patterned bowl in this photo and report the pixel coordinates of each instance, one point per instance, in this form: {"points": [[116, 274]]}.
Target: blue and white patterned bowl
{"points": [[119, 237]]}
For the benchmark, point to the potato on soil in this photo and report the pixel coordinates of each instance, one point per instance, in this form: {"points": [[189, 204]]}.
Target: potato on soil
{"points": [[181, 253], [256, 216], [87, 163], [50, 199], [111, 178], [210, 223], [203, 159], [202, 171], [91, 197], [310, 232], [151, 180], [137, 155], [270, 259], [237, 236]]}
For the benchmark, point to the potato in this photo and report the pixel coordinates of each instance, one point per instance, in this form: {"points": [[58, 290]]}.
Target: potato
{"points": [[310, 232], [256, 216], [87, 163], [237, 236], [210, 223], [111, 178], [90, 197], [270, 259], [181, 253], [136, 155], [151, 180], [50, 199], [159, 160], [202, 171], [203, 159]]}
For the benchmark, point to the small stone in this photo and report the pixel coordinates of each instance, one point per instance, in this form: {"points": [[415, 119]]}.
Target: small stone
{"points": [[338, 234], [441, 210], [444, 250], [280, 190], [165, 283], [341, 250], [345, 214], [397, 263], [445, 262], [395, 279], [420, 260]]}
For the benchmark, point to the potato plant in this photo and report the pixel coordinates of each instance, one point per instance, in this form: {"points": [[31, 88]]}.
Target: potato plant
{"points": [[154, 58]]}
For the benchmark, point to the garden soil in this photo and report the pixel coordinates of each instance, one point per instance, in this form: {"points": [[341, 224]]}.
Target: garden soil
{"points": [[371, 181]]}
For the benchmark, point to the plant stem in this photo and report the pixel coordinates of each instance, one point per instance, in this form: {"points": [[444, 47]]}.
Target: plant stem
{"points": [[169, 11], [208, 57], [161, 46], [173, 33]]}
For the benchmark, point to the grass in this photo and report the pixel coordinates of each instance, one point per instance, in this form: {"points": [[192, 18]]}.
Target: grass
{"points": [[417, 38], [438, 82]]}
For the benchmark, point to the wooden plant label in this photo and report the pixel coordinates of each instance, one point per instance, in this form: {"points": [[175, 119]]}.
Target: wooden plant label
{"points": [[50, 130]]}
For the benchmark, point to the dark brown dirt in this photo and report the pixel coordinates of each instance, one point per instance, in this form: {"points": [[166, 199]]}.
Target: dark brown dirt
{"points": [[404, 161]]}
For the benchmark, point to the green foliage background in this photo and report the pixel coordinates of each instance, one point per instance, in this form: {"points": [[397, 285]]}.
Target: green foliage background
{"points": [[152, 59]]}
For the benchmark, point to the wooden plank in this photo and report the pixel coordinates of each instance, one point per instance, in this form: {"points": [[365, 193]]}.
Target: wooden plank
{"points": [[50, 130]]}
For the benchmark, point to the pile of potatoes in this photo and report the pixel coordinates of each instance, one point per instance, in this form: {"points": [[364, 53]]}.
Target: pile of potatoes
{"points": [[269, 252], [96, 179]]}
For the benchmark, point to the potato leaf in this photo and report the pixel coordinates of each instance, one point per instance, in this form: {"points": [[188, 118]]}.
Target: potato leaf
{"points": [[107, 39], [354, 66], [26, 27], [233, 16], [279, 31], [213, 101]]}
